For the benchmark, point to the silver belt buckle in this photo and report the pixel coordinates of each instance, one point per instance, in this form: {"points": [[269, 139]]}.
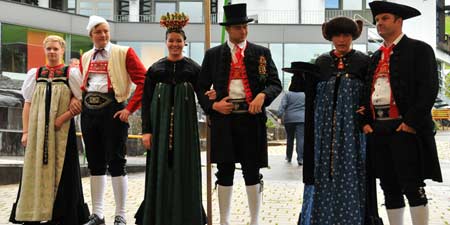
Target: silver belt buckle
{"points": [[96, 100]]}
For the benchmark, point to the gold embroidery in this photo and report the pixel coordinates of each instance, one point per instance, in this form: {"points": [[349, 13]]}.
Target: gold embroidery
{"points": [[262, 65]]}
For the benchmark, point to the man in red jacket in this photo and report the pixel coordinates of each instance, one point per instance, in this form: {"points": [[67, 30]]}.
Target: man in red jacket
{"points": [[108, 71]]}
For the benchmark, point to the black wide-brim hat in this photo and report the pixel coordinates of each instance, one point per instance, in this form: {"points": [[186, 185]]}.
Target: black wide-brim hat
{"points": [[302, 67], [235, 14], [403, 11], [342, 25]]}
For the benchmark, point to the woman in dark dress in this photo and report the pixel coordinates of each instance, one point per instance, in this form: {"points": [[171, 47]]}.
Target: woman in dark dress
{"points": [[50, 189], [173, 193]]}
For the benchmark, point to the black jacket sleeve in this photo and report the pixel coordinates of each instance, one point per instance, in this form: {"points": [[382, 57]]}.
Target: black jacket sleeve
{"points": [[149, 88], [426, 81], [273, 84], [204, 82]]}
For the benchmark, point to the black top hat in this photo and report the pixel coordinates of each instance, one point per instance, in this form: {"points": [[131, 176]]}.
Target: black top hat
{"points": [[403, 11], [342, 25], [235, 14], [302, 67]]}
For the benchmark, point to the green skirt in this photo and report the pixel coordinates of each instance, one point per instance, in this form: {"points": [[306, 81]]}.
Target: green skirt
{"points": [[173, 193]]}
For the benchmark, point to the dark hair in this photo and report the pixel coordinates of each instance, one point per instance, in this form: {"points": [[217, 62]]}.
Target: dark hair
{"points": [[179, 31], [396, 17]]}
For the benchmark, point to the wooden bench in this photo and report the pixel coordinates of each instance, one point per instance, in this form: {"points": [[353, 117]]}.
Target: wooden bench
{"points": [[441, 115]]}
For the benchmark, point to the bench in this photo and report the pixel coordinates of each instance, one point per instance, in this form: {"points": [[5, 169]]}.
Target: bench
{"points": [[442, 116]]}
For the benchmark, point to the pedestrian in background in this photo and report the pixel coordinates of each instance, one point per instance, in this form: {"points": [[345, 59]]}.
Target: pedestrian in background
{"points": [[292, 112]]}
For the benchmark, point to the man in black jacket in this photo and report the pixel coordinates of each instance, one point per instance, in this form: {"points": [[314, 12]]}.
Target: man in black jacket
{"points": [[245, 79], [398, 121]]}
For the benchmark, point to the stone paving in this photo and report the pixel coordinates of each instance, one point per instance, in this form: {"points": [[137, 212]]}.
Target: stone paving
{"points": [[282, 193]]}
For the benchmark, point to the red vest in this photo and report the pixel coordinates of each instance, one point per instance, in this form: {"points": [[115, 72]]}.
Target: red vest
{"points": [[238, 71], [383, 71]]}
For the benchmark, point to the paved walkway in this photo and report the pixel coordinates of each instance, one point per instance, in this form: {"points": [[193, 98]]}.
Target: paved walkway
{"points": [[282, 193]]}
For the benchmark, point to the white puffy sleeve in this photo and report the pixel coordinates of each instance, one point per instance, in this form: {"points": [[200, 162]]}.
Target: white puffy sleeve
{"points": [[75, 81], [29, 84]]}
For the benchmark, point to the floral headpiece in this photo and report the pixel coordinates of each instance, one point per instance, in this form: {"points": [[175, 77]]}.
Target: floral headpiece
{"points": [[174, 21]]}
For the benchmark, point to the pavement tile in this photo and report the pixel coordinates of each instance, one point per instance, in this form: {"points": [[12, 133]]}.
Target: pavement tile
{"points": [[282, 193]]}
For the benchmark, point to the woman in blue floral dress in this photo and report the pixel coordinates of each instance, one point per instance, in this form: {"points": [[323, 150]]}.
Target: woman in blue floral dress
{"points": [[336, 194]]}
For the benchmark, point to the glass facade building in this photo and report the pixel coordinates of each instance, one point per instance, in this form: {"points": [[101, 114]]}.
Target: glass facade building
{"points": [[22, 50]]}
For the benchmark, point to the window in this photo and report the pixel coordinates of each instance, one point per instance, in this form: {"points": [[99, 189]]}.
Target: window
{"points": [[360, 47], [86, 4], [352, 5], [332, 4], [162, 8], [276, 50], [367, 4], [79, 45], [71, 6], [148, 52], [302, 52], [197, 50], [103, 8], [22, 48], [193, 9]]}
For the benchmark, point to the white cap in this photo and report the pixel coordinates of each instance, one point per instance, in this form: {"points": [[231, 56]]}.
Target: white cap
{"points": [[94, 21]]}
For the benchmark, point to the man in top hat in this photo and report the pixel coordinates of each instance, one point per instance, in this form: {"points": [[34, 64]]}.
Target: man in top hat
{"points": [[245, 79], [108, 71], [404, 86]]}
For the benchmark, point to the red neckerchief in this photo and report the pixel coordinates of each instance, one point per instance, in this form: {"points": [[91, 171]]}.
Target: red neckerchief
{"points": [[238, 71], [382, 70]]}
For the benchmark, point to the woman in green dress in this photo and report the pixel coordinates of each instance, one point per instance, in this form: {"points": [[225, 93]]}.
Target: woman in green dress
{"points": [[173, 193]]}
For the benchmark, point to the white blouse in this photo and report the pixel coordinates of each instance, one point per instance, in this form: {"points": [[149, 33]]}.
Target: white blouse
{"points": [[29, 84]]}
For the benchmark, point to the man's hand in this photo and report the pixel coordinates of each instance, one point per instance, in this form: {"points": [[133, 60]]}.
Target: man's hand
{"points": [[367, 129], [257, 103], [147, 141], [223, 106], [75, 106], [211, 94], [123, 115], [406, 128], [24, 139]]}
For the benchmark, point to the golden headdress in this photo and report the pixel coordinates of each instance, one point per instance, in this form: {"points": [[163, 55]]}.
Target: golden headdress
{"points": [[174, 21]]}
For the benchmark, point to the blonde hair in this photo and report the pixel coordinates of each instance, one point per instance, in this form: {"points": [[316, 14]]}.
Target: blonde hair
{"points": [[55, 38]]}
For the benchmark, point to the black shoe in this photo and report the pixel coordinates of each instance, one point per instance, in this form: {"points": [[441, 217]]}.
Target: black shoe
{"points": [[119, 220], [95, 220], [300, 163], [288, 160]]}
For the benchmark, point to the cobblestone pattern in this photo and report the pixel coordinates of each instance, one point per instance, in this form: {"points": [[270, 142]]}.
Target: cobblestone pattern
{"points": [[281, 201]]}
